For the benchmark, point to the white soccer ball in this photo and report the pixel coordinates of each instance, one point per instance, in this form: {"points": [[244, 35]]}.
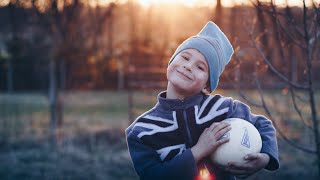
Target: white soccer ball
{"points": [[244, 139]]}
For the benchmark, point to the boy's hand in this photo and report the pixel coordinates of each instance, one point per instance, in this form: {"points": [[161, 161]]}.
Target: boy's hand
{"points": [[210, 140], [256, 162]]}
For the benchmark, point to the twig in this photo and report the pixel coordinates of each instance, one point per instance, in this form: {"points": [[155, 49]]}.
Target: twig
{"points": [[251, 102], [274, 70], [310, 84], [284, 137], [265, 9], [297, 109], [242, 95], [284, 29], [290, 36]]}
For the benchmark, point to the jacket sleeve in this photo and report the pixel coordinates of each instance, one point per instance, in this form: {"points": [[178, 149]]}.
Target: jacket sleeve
{"points": [[148, 165], [267, 131]]}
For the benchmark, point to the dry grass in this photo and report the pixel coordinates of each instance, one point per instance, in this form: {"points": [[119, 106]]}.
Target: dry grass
{"points": [[101, 155]]}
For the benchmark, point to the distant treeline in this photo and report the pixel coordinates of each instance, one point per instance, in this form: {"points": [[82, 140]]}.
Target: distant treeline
{"points": [[119, 46]]}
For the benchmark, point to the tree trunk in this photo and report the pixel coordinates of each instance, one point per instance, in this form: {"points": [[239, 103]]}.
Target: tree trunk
{"points": [[133, 42], [120, 73], [53, 94], [218, 13], [310, 84], [9, 76], [13, 38]]}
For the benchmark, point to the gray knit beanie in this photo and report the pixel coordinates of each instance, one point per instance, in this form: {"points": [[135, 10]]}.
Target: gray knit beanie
{"points": [[213, 44]]}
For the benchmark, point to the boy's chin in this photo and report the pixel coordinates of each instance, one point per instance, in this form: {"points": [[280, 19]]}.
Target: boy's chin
{"points": [[186, 90]]}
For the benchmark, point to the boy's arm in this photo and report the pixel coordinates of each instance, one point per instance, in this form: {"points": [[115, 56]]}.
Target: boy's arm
{"points": [[238, 109], [148, 165]]}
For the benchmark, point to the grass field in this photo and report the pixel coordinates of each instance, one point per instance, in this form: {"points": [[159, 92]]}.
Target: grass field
{"points": [[92, 143]]}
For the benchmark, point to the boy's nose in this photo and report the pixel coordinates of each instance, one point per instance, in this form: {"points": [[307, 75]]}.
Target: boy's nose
{"points": [[188, 66]]}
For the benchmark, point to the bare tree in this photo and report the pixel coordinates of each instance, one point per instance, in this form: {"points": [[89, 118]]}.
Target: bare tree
{"points": [[52, 22], [13, 39], [133, 48], [64, 23], [291, 39], [217, 17]]}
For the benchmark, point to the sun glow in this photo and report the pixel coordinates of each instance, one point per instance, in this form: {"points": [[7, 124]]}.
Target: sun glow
{"points": [[4, 2], [147, 3]]}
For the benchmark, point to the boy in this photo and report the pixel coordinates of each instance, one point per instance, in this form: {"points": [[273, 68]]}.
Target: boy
{"points": [[174, 139]]}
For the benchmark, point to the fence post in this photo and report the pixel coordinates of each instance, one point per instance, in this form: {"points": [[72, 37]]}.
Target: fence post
{"points": [[9, 76]]}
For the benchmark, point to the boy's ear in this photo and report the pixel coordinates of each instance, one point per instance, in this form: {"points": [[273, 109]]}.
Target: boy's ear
{"points": [[206, 90]]}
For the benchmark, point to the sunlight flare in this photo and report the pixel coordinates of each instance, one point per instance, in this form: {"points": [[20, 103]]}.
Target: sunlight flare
{"points": [[4, 2], [147, 3]]}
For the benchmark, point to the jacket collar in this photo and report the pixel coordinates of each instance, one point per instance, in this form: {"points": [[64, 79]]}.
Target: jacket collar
{"points": [[176, 104]]}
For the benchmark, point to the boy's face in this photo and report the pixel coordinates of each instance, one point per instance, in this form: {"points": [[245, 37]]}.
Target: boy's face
{"points": [[188, 73]]}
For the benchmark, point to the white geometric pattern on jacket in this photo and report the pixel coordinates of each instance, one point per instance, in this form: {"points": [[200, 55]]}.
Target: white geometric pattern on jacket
{"points": [[163, 152]]}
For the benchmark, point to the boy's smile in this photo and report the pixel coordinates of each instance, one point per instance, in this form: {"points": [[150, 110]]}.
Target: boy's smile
{"points": [[188, 73], [184, 75]]}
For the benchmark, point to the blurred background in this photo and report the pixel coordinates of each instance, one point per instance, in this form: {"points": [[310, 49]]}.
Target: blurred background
{"points": [[75, 73]]}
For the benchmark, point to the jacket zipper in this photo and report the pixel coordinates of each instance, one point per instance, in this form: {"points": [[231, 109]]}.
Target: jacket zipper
{"points": [[187, 129]]}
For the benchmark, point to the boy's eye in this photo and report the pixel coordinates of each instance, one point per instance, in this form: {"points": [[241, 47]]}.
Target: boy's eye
{"points": [[184, 57], [201, 68]]}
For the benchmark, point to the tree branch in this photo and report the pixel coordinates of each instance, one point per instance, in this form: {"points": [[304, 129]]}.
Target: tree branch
{"points": [[274, 70], [251, 102], [290, 36], [298, 110], [285, 15], [314, 40], [312, 102], [284, 137]]}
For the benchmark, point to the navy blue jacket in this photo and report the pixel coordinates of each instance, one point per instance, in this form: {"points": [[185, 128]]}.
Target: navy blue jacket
{"points": [[159, 141]]}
